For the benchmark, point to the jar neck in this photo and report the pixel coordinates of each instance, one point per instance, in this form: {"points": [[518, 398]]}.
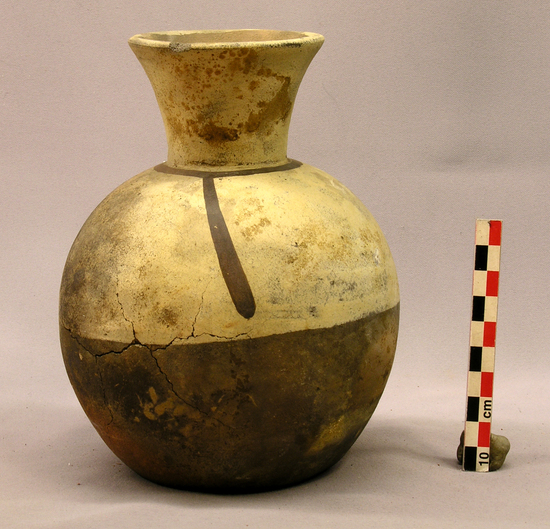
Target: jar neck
{"points": [[225, 106]]}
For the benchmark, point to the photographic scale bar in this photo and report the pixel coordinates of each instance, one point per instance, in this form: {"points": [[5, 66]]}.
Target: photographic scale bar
{"points": [[479, 406]]}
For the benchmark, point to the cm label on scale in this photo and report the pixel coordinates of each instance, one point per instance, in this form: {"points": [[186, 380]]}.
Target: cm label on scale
{"points": [[487, 408]]}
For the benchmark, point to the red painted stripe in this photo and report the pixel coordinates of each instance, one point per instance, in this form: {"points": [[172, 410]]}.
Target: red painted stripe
{"points": [[484, 434], [486, 384], [489, 333], [492, 283], [495, 232]]}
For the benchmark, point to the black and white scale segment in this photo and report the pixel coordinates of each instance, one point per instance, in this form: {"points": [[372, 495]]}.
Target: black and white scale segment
{"points": [[479, 407]]}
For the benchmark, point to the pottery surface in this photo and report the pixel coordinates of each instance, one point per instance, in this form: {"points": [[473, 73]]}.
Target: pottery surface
{"points": [[229, 317]]}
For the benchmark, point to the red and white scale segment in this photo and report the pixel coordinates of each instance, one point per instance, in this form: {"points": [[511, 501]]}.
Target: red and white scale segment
{"points": [[479, 408]]}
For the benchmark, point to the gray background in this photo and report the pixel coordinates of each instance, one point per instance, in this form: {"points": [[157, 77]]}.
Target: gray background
{"points": [[432, 112]]}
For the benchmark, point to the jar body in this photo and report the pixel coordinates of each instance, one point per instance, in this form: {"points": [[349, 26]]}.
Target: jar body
{"points": [[182, 387]]}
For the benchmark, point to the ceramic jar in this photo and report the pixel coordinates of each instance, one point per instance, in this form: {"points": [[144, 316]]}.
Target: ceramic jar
{"points": [[229, 317]]}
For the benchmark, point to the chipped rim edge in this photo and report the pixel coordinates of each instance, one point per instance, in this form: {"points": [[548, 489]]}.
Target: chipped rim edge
{"points": [[168, 39]]}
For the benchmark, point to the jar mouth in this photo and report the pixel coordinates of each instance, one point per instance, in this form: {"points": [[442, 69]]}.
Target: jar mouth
{"points": [[207, 39]]}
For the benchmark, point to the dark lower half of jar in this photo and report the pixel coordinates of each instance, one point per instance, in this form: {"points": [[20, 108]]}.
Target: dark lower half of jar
{"points": [[234, 416]]}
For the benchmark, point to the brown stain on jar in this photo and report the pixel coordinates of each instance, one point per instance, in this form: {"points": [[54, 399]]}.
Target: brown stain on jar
{"points": [[267, 114], [273, 111]]}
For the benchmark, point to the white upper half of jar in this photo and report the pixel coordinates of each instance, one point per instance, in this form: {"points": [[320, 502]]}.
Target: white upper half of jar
{"points": [[144, 265]]}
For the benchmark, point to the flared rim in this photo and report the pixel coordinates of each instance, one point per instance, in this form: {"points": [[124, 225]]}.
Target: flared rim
{"points": [[231, 38]]}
